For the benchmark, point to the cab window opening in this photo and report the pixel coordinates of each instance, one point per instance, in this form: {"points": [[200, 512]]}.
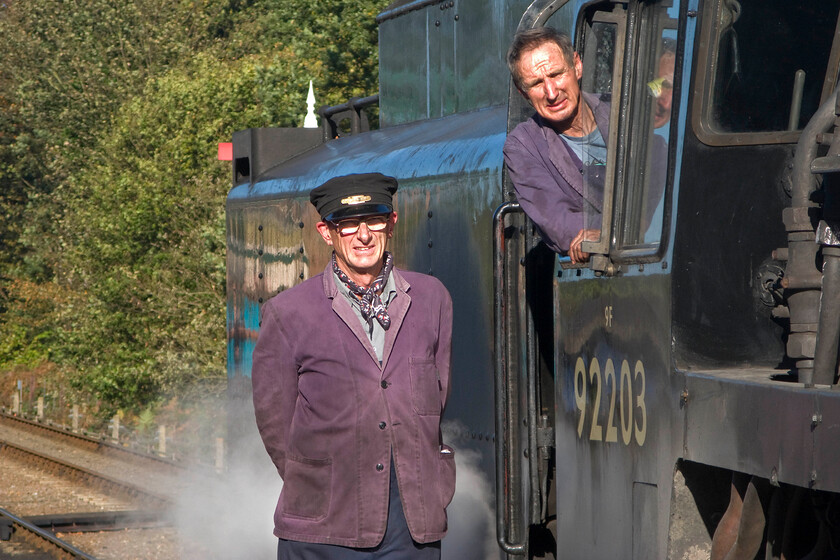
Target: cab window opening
{"points": [[756, 82]]}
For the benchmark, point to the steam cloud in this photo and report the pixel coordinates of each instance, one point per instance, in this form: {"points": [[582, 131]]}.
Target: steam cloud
{"points": [[231, 517]]}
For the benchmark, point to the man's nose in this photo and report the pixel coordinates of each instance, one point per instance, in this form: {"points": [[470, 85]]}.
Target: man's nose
{"points": [[550, 89], [364, 233]]}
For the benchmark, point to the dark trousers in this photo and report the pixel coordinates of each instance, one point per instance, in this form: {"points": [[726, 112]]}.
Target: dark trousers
{"points": [[396, 544]]}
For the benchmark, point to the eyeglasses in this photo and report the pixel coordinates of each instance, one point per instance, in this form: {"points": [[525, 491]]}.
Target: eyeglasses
{"points": [[352, 225]]}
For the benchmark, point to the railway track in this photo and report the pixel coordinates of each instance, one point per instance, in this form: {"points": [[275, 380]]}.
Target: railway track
{"points": [[34, 542], [114, 487], [99, 444], [99, 498]]}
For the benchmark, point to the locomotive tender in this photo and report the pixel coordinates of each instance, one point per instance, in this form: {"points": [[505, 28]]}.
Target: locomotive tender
{"points": [[613, 403]]}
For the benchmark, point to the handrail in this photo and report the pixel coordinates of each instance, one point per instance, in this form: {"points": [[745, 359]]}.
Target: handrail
{"points": [[508, 475], [354, 106]]}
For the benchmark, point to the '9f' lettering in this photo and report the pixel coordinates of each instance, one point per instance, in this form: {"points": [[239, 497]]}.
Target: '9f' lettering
{"points": [[627, 387]]}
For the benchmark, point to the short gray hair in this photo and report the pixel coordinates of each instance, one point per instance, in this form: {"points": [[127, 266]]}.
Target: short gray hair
{"points": [[531, 39]]}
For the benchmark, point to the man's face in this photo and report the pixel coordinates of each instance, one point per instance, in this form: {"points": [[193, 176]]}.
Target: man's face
{"points": [[662, 110], [360, 254], [550, 85]]}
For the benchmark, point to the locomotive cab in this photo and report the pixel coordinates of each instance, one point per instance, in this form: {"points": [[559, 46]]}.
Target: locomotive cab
{"points": [[684, 374]]}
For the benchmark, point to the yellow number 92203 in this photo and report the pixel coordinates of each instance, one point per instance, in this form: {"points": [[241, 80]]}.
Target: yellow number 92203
{"points": [[628, 388]]}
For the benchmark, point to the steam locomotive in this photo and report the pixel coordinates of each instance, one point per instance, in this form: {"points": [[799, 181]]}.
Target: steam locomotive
{"points": [[674, 396]]}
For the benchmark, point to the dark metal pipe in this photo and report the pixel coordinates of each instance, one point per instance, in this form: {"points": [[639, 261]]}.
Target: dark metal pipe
{"points": [[828, 327], [508, 477], [801, 275], [828, 330]]}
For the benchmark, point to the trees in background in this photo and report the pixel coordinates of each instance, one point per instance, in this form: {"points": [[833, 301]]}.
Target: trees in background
{"points": [[112, 202]]}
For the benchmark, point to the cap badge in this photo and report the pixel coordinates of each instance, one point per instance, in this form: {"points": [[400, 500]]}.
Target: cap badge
{"points": [[355, 199]]}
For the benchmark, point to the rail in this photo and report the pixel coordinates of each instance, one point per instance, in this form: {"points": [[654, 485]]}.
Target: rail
{"points": [[93, 479], [65, 550], [352, 109]]}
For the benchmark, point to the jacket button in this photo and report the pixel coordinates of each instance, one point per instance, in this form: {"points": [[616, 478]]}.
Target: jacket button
{"points": [[384, 384], [382, 425], [380, 467]]}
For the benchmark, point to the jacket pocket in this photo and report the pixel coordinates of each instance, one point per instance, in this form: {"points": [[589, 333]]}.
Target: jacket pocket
{"points": [[446, 474], [425, 387], [307, 487]]}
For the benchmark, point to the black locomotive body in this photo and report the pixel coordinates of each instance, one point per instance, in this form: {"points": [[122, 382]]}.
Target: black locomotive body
{"points": [[614, 403]]}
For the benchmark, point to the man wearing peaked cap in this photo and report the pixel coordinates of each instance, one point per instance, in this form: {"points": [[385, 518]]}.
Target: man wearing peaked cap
{"points": [[350, 375]]}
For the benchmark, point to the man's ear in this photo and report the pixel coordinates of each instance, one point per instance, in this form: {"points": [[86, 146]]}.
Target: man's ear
{"points": [[393, 220], [578, 66], [324, 230]]}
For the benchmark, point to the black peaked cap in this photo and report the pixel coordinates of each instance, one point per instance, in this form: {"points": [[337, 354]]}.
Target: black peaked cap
{"points": [[348, 196]]}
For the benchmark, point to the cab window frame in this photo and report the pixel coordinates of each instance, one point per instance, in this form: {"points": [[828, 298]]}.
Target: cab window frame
{"points": [[654, 251], [704, 83]]}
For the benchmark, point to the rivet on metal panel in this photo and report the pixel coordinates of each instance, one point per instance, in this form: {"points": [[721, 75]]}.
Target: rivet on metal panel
{"points": [[522, 261], [430, 213], [260, 300], [260, 275], [452, 4], [664, 265], [457, 17], [816, 420], [301, 250], [641, 268], [525, 453], [774, 477], [437, 23], [813, 478], [259, 251], [430, 273], [684, 397], [472, 435], [300, 225], [300, 275], [259, 228], [692, 13]]}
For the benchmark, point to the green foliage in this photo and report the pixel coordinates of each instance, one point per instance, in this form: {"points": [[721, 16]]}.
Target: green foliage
{"points": [[113, 202]]}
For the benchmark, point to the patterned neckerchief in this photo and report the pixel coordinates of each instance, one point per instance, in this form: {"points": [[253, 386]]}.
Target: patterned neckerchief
{"points": [[369, 301]]}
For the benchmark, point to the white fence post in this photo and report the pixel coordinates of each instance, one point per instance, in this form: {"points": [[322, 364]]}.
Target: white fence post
{"points": [[162, 440], [220, 454]]}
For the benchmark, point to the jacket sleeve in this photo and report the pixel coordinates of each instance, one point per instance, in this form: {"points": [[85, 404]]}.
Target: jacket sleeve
{"points": [[274, 375], [554, 211]]}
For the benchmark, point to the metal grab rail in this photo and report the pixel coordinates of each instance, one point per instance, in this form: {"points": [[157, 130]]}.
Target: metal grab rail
{"points": [[352, 109], [508, 477]]}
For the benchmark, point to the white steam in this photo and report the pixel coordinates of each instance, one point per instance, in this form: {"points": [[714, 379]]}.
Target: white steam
{"points": [[231, 517]]}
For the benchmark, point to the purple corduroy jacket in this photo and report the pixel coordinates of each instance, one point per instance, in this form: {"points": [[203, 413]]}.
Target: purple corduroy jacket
{"points": [[548, 183], [331, 417]]}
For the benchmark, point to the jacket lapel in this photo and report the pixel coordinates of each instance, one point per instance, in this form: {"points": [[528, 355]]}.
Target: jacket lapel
{"points": [[397, 311]]}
